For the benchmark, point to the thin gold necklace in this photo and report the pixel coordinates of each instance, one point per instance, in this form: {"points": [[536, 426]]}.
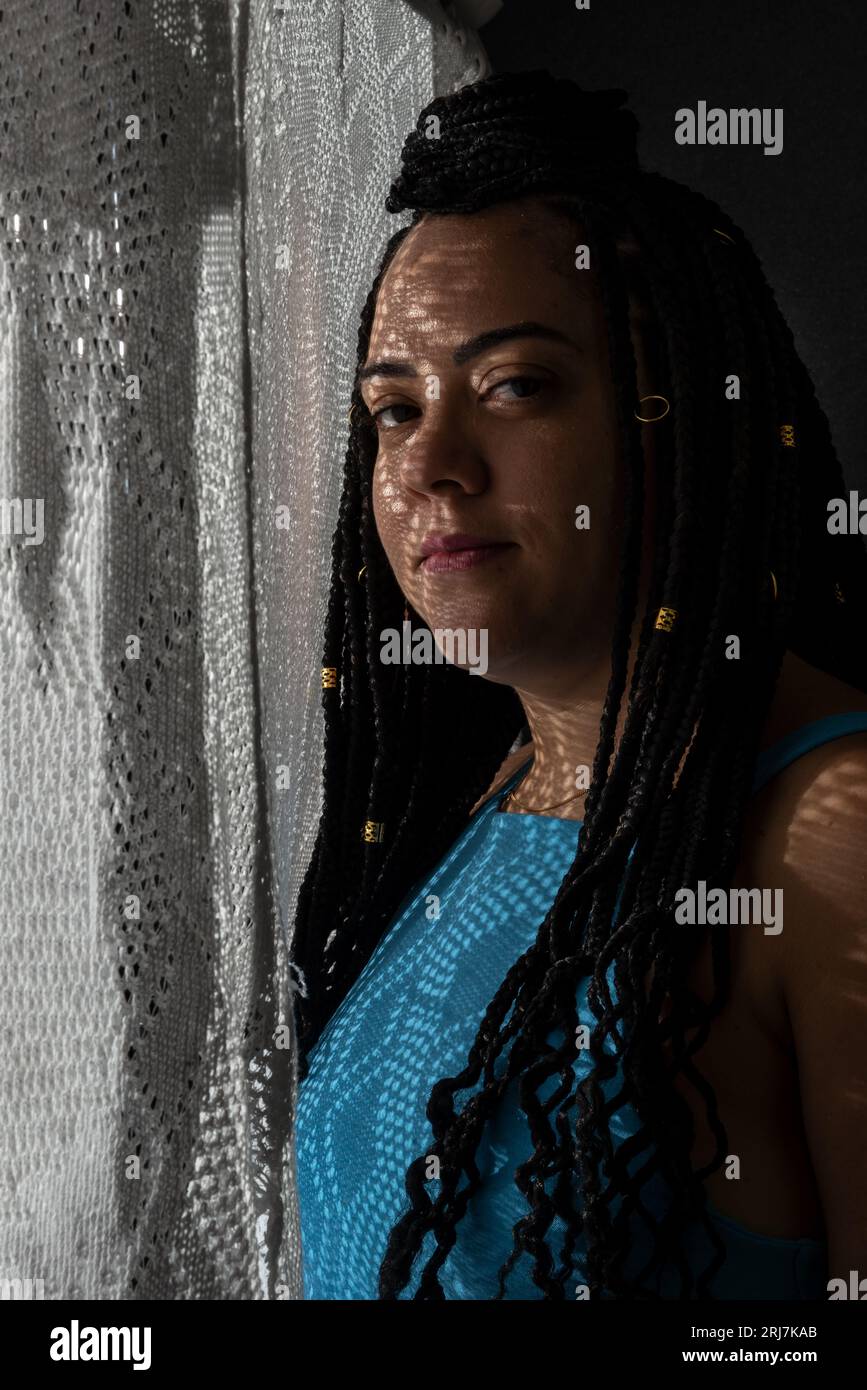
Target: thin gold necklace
{"points": [[509, 799]]}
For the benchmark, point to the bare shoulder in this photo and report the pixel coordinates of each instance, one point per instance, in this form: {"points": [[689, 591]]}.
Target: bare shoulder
{"points": [[810, 821], [806, 835], [806, 831], [510, 764], [804, 840]]}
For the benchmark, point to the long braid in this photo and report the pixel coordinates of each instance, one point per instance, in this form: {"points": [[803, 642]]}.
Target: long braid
{"points": [[417, 747]]}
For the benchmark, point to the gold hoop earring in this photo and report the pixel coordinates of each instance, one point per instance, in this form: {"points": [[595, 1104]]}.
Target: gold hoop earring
{"points": [[652, 419]]}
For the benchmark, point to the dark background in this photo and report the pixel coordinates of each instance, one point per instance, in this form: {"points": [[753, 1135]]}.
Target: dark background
{"points": [[804, 209]]}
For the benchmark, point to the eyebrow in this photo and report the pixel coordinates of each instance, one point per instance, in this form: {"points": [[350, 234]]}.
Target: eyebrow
{"points": [[473, 347]]}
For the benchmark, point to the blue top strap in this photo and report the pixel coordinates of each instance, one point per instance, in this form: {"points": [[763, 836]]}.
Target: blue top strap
{"points": [[780, 754], [803, 740]]}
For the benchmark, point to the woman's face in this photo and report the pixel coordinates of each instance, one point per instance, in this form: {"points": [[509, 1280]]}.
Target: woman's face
{"points": [[500, 437]]}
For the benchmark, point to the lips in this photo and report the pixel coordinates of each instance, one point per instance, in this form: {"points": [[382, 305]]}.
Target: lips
{"points": [[460, 550], [439, 542]]}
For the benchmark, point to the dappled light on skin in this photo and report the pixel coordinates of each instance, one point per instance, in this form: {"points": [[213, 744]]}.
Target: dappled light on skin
{"points": [[683, 518], [504, 444], [821, 879], [393, 500], [801, 836]]}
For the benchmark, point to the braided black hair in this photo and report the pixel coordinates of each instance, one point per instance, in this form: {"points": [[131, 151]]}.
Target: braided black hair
{"points": [[737, 499]]}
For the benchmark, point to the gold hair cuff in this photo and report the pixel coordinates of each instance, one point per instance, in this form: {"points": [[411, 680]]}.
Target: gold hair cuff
{"points": [[361, 571], [725, 236], [373, 832], [787, 435], [665, 619], [774, 583], [838, 592], [329, 677]]}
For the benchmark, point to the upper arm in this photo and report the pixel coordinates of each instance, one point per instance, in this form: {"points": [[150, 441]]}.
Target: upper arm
{"points": [[823, 977]]}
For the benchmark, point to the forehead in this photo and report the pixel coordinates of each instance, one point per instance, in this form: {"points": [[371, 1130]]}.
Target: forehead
{"points": [[457, 274]]}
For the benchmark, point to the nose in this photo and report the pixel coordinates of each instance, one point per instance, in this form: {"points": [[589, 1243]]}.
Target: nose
{"points": [[443, 452]]}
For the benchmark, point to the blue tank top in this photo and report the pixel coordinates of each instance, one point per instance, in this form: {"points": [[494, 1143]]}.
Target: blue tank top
{"points": [[411, 1017]]}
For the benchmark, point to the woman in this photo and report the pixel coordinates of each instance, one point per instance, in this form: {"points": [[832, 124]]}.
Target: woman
{"points": [[580, 431]]}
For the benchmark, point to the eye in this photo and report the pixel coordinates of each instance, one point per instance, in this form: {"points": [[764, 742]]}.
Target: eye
{"points": [[529, 386], [380, 420]]}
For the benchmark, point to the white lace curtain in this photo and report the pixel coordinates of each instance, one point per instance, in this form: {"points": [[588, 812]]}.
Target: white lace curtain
{"points": [[191, 207]]}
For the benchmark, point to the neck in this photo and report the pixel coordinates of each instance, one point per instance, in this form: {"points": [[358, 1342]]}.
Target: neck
{"points": [[564, 725]]}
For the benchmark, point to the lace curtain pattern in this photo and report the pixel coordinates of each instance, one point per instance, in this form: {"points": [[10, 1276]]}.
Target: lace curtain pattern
{"points": [[191, 207]]}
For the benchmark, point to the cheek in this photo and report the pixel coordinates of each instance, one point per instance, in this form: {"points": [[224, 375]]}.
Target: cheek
{"points": [[595, 448], [568, 476], [390, 516]]}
